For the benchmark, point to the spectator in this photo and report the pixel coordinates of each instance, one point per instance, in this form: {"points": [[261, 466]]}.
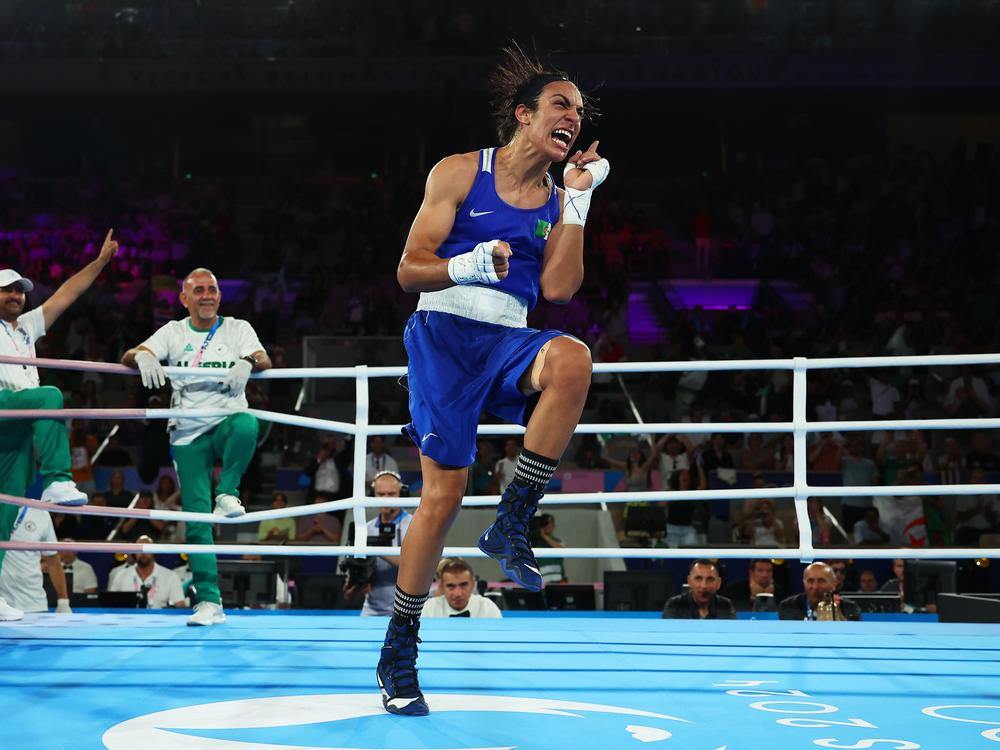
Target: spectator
{"points": [[674, 453], [328, 470], [277, 530], [982, 456], [541, 534], [715, 456], [481, 480], [843, 575], [784, 454], [870, 531], [84, 577], [884, 396], [159, 586], [818, 580], [976, 514], [504, 469], [759, 581], [701, 601], [378, 459], [761, 528], [951, 463], [457, 596], [826, 453], [96, 528], [867, 582], [319, 528], [755, 457], [968, 396], [895, 584], [116, 495], [687, 520], [132, 528], [818, 521], [637, 467], [857, 471], [82, 446], [588, 454], [903, 517]]}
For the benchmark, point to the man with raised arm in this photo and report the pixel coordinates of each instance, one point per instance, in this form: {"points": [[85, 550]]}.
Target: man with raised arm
{"points": [[20, 389], [229, 348]]}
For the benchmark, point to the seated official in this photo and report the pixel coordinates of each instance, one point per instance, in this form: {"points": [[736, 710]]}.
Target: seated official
{"points": [[161, 586], [819, 582], [701, 601], [84, 577], [760, 580], [21, 581], [457, 595]]}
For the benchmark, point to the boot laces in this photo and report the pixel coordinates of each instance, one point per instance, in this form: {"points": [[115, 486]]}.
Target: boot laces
{"points": [[402, 642]]}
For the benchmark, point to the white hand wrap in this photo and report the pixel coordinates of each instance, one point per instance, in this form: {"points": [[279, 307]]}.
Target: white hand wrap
{"points": [[237, 377], [150, 369], [475, 266], [576, 203], [62, 607]]}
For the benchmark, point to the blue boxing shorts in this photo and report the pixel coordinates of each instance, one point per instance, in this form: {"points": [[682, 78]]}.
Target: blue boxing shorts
{"points": [[457, 368]]}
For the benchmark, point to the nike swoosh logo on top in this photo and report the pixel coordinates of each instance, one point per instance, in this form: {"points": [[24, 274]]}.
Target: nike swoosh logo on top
{"points": [[474, 213], [429, 434]]}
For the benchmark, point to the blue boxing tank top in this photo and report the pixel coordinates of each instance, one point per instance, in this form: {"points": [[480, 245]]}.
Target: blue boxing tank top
{"points": [[484, 216]]}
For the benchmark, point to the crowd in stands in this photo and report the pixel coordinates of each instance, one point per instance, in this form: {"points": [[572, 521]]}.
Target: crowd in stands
{"points": [[897, 254], [321, 28]]}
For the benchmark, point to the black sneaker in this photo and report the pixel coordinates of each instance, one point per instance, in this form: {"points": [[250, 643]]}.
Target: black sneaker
{"points": [[397, 670], [506, 540]]}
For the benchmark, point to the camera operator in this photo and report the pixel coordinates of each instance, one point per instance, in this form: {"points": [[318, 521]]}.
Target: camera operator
{"points": [[376, 576]]}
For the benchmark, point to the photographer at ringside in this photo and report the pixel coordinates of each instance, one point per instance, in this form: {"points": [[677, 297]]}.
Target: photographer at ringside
{"points": [[376, 576]]}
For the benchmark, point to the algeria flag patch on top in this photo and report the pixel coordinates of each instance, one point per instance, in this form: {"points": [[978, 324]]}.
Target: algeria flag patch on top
{"points": [[542, 229]]}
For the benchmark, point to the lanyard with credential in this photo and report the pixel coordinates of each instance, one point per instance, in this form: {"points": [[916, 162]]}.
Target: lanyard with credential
{"points": [[13, 340], [204, 344]]}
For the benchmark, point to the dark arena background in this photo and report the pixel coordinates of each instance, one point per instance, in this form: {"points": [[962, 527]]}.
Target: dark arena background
{"points": [[798, 241]]}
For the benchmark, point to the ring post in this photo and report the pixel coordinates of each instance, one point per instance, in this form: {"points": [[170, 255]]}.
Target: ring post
{"points": [[360, 456], [799, 432]]}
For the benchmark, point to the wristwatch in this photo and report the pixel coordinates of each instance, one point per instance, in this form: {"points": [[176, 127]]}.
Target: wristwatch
{"points": [[249, 358]]}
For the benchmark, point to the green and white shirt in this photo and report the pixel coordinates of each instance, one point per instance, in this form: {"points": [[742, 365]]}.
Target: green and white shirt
{"points": [[20, 342], [179, 343]]}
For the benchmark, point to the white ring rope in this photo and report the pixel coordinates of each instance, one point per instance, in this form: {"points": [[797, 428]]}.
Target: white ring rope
{"points": [[661, 553], [799, 491]]}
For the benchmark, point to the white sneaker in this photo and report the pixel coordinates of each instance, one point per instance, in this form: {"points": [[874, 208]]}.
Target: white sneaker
{"points": [[228, 506], [9, 613], [64, 493], [207, 613]]}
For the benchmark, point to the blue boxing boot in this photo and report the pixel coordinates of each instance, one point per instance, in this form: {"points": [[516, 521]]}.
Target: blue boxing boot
{"points": [[397, 669], [506, 540]]}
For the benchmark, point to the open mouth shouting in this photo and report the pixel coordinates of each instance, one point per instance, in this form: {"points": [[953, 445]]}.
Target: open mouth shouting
{"points": [[562, 138]]}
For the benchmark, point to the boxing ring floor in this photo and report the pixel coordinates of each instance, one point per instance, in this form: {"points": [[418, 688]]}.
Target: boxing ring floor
{"points": [[281, 681]]}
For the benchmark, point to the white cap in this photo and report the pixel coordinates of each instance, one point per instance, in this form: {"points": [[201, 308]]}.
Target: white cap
{"points": [[9, 276]]}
